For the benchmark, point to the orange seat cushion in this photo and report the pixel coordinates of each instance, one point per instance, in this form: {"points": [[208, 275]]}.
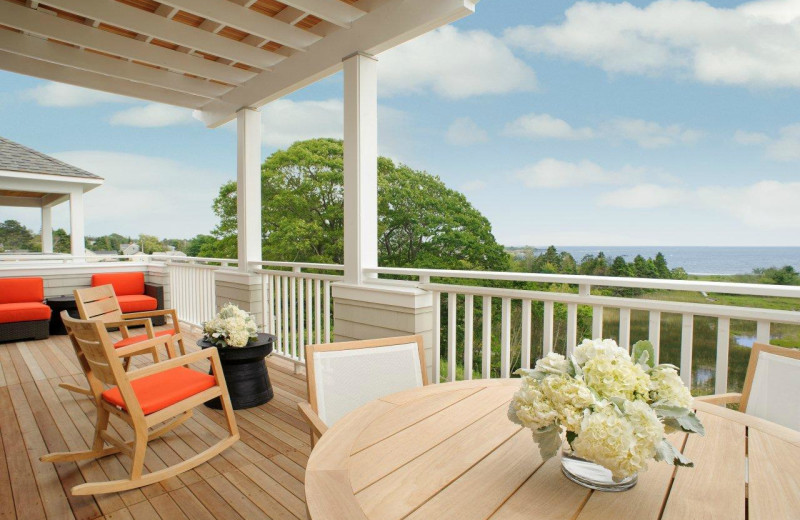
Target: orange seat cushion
{"points": [[124, 283], [31, 311], [163, 389], [142, 337], [137, 303], [21, 290]]}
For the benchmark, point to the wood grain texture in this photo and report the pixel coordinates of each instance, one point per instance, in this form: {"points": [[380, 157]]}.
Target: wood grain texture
{"points": [[774, 487]]}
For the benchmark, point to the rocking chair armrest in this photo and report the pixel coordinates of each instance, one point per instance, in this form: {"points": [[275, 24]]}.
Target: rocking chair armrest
{"points": [[146, 346], [169, 364], [721, 399], [172, 313], [311, 417], [123, 325]]}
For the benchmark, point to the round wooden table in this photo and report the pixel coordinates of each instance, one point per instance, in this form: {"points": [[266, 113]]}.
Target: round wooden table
{"points": [[449, 451]]}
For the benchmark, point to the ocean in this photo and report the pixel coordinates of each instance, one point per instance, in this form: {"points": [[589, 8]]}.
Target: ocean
{"points": [[700, 260]]}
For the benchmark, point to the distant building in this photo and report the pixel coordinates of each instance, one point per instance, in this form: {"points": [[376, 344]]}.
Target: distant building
{"points": [[129, 249]]}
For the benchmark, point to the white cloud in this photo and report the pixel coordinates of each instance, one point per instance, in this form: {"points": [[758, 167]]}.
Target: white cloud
{"points": [[750, 138], [61, 95], [754, 44], [473, 185], [152, 115], [535, 126], [766, 205], [553, 173], [648, 134], [285, 121], [455, 65], [787, 146], [465, 132], [145, 194]]}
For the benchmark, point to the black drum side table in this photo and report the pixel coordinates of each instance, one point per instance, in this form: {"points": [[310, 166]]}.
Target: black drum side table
{"points": [[58, 304], [245, 372]]}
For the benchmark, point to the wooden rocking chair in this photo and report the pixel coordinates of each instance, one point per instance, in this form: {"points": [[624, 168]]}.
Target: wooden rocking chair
{"points": [[152, 400]]}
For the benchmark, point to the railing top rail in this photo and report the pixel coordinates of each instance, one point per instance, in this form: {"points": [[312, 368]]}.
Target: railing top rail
{"points": [[295, 274], [606, 281], [697, 309], [301, 265], [195, 259]]}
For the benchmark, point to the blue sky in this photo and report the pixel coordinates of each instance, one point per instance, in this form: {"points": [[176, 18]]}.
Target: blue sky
{"points": [[590, 123]]}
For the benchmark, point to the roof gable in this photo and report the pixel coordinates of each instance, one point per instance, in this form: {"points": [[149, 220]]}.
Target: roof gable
{"points": [[18, 158]]}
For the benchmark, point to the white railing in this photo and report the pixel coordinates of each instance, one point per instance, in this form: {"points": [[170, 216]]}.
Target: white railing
{"points": [[522, 301], [297, 304], [192, 286]]}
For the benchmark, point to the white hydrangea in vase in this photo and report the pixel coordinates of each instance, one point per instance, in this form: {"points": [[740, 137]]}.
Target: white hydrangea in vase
{"points": [[616, 412], [231, 327]]}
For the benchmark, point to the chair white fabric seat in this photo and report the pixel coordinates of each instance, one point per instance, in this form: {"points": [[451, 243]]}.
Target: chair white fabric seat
{"points": [[775, 390]]}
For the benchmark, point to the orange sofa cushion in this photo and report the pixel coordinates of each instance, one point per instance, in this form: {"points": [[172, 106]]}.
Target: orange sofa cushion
{"points": [[163, 389], [142, 337], [137, 303], [124, 283], [21, 290], [30, 311]]}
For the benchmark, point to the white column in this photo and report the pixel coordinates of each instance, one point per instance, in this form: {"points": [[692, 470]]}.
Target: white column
{"points": [[76, 223], [360, 165], [47, 229], [248, 186]]}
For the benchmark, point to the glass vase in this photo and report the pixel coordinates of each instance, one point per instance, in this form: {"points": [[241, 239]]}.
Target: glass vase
{"points": [[591, 475]]}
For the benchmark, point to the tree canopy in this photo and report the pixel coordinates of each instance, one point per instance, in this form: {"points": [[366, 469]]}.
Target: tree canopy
{"points": [[421, 222]]}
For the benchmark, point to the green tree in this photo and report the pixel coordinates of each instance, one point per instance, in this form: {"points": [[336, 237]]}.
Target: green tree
{"points": [[151, 244], [199, 243], [619, 267], [420, 221], [15, 236], [662, 269], [61, 241]]}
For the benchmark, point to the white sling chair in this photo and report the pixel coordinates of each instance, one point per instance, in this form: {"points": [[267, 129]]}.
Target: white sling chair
{"points": [[343, 376], [771, 386]]}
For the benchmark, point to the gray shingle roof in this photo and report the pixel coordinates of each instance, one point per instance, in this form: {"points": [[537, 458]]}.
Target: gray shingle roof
{"points": [[18, 158]]}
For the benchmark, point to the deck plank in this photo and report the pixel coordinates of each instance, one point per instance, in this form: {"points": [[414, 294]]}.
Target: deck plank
{"points": [[261, 476]]}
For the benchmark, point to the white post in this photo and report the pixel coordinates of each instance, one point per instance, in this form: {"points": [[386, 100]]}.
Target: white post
{"points": [[360, 166], [76, 235], [248, 186], [47, 230]]}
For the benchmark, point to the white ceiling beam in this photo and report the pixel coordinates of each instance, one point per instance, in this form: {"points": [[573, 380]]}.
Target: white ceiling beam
{"points": [[34, 47], [384, 27], [290, 15], [247, 20], [53, 72], [54, 199], [21, 202], [333, 11], [38, 22], [143, 22]]}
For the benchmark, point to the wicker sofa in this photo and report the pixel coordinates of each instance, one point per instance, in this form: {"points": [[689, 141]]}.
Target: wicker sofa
{"points": [[133, 294], [23, 315]]}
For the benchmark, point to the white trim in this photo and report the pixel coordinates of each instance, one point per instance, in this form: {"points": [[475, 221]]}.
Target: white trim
{"points": [[333, 11], [248, 186], [47, 177], [47, 230]]}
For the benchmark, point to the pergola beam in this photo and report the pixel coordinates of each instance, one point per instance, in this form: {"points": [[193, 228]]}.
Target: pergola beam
{"points": [[383, 28], [34, 47], [53, 72], [43, 24], [143, 22], [247, 20], [333, 11]]}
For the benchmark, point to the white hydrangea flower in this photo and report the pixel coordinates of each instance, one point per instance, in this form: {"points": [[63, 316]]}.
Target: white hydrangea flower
{"points": [[232, 327], [598, 348], [666, 385], [607, 438], [616, 377], [569, 397], [648, 430], [553, 362], [530, 406]]}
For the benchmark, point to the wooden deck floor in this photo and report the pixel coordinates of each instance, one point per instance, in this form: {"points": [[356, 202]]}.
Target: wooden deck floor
{"points": [[261, 476]]}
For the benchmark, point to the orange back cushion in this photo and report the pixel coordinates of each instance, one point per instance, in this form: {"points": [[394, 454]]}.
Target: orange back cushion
{"points": [[123, 283], [21, 290]]}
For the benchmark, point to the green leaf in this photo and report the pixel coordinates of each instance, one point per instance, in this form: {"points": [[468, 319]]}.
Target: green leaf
{"points": [[644, 353], [691, 423], [571, 436], [549, 441], [668, 453]]}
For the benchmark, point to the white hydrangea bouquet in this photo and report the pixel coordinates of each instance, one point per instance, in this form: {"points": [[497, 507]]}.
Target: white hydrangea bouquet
{"points": [[231, 327], [616, 410]]}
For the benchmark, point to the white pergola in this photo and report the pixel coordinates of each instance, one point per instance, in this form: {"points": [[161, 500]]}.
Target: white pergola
{"points": [[31, 179], [225, 59]]}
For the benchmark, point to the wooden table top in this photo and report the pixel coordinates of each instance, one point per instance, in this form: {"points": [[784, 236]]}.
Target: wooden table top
{"points": [[449, 451]]}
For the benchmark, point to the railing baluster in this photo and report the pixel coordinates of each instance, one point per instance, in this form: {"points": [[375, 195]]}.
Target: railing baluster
{"points": [[437, 333], [327, 311], [468, 334], [572, 327], [301, 319], [547, 329], [654, 333], [452, 307], [293, 314], [687, 340], [309, 313], [278, 313], [486, 346], [625, 329], [763, 331], [318, 311], [505, 338], [286, 338], [723, 346], [597, 322], [525, 343]]}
